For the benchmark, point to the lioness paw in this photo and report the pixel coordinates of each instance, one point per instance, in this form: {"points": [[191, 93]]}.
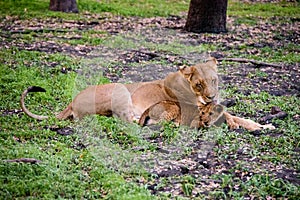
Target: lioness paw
{"points": [[268, 126], [233, 125]]}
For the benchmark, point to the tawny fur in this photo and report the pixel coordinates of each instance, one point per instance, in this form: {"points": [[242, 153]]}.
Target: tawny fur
{"points": [[161, 111], [189, 89], [207, 115], [190, 85], [235, 122]]}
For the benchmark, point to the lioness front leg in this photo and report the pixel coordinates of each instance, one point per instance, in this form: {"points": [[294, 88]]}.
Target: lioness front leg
{"points": [[230, 121], [234, 122]]}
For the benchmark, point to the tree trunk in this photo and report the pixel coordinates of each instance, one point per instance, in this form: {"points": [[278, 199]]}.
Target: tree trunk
{"points": [[207, 16], [64, 5]]}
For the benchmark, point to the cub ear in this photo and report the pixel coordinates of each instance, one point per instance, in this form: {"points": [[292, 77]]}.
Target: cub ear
{"points": [[219, 109], [187, 72]]}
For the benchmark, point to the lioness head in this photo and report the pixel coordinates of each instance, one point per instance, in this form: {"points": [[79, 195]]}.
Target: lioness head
{"points": [[203, 80]]}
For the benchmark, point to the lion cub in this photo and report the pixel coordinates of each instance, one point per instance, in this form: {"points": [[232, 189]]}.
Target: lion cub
{"points": [[211, 114], [208, 115], [161, 111]]}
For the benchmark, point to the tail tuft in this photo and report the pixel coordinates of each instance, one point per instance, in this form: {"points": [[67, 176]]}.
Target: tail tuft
{"points": [[35, 89]]}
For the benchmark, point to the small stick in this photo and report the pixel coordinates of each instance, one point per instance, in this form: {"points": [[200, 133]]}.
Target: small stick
{"points": [[24, 160], [279, 115], [38, 30]]}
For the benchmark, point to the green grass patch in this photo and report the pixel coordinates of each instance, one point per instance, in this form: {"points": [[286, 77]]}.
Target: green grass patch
{"points": [[150, 8], [39, 69], [169, 46], [286, 53], [87, 39], [258, 185], [64, 173], [136, 7], [247, 11], [26, 9], [67, 169]]}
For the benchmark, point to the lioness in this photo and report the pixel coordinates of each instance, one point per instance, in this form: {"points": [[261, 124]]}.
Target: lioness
{"points": [[189, 86], [208, 115]]}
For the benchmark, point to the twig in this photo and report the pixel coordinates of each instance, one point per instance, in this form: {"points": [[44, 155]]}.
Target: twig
{"points": [[149, 53], [2, 34], [38, 30], [243, 60], [157, 55], [24, 160], [279, 115]]}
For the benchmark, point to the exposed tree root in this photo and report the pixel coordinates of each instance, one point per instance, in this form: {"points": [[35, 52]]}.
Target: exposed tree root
{"points": [[244, 60], [240, 60]]}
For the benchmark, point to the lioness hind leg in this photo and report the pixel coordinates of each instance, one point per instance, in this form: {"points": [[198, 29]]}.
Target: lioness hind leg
{"points": [[66, 113], [121, 103]]}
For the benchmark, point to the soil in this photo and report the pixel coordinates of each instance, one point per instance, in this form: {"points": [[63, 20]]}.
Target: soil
{"points": [[160, 30]]}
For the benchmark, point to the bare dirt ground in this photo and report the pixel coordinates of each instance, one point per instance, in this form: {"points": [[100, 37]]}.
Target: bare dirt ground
{"points": [[165, 31]]}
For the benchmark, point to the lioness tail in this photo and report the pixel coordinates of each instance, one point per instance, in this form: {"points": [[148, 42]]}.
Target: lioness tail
{"points": [[22, 102]]}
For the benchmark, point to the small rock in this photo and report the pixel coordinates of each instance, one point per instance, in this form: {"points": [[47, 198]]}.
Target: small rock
{"points": [[275, 110], [229, 102]]}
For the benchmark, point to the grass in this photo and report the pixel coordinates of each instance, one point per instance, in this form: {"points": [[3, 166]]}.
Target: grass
{"points": [[171, 46], [250, 11], [65, 171], [103, 158], [39, 8], [136, 8]]}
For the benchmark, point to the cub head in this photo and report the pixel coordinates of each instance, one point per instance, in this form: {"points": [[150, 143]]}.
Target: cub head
{"points": [[211, 114], [203, 80]]}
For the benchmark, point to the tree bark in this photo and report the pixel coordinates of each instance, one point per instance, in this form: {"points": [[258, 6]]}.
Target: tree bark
{"points": [[63, 5], [207, 16]]}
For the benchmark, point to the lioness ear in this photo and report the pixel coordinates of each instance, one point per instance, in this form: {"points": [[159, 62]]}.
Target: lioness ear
{"points": [[187, 72], [212, 62], [212, 59]]}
